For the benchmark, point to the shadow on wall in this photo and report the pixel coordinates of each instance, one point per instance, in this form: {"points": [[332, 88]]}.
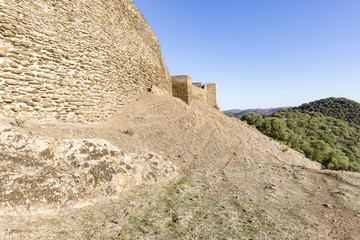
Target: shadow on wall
{"points": [[187, 91]]}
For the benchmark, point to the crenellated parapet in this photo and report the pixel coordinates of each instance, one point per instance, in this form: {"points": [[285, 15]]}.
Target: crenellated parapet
{"points": [[187, 91]]}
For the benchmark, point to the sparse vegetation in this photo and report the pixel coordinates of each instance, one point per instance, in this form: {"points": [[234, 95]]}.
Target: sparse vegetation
{"points": [[20, 122], [89, 217], [285, 149], [130, 132], [188, 209], [96, 177]]}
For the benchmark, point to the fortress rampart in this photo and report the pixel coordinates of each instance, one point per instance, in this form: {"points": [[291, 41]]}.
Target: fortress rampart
{"points": [[80, 60], [187, 91], [75, 60]]}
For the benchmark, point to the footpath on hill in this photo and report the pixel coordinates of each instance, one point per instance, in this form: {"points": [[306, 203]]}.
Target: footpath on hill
{"points": [[209, 176]]}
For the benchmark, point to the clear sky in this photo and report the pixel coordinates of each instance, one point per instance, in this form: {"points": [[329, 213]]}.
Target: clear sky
{"points": [[262, 53]]}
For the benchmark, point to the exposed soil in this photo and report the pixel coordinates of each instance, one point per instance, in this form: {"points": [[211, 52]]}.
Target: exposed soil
{"points": [[234, 182]]}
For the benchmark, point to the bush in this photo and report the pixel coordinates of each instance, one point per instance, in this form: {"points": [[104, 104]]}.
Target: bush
{"points": [[130, 132], [20, 122], [336, 160]]}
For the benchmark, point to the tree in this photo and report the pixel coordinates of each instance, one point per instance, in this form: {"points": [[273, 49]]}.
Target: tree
{"points": [[336, 160], [253, 119]]}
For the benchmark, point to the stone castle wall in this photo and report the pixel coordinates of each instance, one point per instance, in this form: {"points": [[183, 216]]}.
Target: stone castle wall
{"points": [[182, 87], [187, 91], [211, 95], [199, 93], [75, 60]]}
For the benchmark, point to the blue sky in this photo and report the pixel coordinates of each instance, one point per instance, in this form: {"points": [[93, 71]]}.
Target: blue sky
{"points": [[262, 53]]}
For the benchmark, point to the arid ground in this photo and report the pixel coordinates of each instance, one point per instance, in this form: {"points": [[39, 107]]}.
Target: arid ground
{"points": [[231, 182]]}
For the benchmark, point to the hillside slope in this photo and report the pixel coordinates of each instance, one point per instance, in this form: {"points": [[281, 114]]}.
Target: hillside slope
{"points": [[330, 141], [231, 182]]}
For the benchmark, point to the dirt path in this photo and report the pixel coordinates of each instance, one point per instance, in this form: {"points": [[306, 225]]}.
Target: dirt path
{"points": [[334, 219]]}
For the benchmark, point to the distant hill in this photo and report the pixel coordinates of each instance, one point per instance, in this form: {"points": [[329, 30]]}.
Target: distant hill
{"points": [[325, 130], [262, 111], [339, 108], [333, 142]]}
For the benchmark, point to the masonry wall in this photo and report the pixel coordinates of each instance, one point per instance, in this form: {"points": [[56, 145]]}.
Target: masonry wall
{"points": [[212, 98], [199, 93], [182, 87], [187, 91], [75, 60]]}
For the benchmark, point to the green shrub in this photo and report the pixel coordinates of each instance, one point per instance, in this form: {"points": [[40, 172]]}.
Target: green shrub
{"points": [[129, 132], [96, 176], [20, 122], [285, 149]]}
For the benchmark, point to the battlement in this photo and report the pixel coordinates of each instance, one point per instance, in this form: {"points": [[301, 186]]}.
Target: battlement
{"points": [[187, 91]]}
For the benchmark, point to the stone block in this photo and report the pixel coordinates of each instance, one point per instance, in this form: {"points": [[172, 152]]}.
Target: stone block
{"points": [[7, 99], [24, 99], [12, 82], [197, 84], [16, 70]]}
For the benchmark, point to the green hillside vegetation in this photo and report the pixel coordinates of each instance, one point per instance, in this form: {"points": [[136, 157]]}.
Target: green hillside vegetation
{"points": [[333, 142], [340, 108]]}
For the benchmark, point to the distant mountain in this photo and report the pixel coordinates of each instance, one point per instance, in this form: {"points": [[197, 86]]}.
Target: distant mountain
{"points": [[262, 111], [340, 108]]}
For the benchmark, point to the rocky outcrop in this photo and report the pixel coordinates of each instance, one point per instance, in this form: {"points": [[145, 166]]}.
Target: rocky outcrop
{"points": [[36, 173], [66, 60]]}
